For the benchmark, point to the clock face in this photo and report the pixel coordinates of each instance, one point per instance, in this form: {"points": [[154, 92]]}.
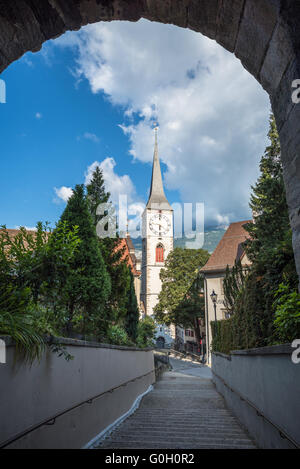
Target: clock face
{"points": [[159, 224]]}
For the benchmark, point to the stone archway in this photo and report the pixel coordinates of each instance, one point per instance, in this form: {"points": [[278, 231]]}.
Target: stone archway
{"points": [[263, 34]]}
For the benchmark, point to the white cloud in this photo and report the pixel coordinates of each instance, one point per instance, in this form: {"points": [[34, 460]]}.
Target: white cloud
{"points": [[38, 115], [28, 228], [115, 184], [90, 136], [212, 114], [63, 193]]}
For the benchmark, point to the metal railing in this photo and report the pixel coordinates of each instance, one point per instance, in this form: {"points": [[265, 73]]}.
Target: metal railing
{"points": [[281, 432], [52, 420]]}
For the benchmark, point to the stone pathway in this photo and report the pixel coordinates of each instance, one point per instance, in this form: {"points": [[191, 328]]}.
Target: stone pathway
{"points": [[183, 411]]}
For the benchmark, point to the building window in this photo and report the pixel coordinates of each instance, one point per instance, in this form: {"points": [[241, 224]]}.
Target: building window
{"points": [[159, 253]]}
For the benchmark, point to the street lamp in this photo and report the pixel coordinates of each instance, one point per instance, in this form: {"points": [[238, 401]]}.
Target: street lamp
{"points": [[214, 298]]}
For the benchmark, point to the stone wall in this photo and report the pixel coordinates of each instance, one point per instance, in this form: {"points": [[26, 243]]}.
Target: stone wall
{"points": [[264, 35], [261, 387], [66, 404]]}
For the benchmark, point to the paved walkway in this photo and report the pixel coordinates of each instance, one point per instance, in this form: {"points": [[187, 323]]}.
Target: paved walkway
{"points": [[183, 411]]}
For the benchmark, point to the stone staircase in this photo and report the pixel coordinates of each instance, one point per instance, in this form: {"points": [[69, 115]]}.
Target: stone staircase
{"points": [[183, 411]]}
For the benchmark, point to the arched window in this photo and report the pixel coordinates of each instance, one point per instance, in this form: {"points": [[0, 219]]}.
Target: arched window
{"points": [[159, 253]]}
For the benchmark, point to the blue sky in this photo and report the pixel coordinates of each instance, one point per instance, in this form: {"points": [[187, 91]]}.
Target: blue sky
{"points": [[93, 96]]}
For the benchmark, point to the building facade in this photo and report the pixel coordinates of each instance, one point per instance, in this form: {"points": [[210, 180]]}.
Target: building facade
{"points": [[229, 250], [133, 262], [157, 243]]}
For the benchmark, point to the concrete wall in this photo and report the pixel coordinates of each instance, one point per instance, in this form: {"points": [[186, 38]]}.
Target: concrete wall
{"points": [[269, 380], [32, 395]]}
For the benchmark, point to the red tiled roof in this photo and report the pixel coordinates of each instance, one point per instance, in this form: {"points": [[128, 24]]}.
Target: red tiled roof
{"points": [[131, 259], [229, 248], [12, 233]]}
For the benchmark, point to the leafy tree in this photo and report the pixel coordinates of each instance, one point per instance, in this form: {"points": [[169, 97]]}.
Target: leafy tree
{"points": [[32, 275], [132, 314], [88, 288], [180, 300], [38, 260]]}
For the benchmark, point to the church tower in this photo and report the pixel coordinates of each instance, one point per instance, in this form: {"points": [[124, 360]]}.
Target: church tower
{"points": [[157, 233]]}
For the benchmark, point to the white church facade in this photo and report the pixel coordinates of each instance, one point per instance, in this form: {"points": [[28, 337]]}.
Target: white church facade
{"points": [[157, 243]]}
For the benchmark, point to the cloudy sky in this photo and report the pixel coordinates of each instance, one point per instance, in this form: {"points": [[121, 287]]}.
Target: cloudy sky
{"points": [[93, 97]]}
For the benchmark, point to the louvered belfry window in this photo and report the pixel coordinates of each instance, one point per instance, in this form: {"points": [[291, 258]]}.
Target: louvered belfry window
{"points": [[160, 253]]}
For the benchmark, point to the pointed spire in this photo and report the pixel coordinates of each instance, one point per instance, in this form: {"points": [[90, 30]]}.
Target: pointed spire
{"points": [[157, 198]]}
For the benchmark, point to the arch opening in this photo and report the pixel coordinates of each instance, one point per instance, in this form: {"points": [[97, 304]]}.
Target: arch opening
{"points": [[264, 35]]}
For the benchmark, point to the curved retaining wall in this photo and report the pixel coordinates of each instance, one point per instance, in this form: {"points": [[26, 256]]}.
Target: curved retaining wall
{"points": [[60, 404], [261, 387]]}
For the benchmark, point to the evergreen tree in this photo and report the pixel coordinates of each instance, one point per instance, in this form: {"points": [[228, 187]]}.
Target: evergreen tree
{"points": [[88, 287], [96, 193], [270, 246], [268, 201], [253, 296], [132, 314], [113, 255]]}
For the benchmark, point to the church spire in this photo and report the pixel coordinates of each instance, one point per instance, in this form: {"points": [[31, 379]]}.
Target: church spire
{"points": [[157, 195]]}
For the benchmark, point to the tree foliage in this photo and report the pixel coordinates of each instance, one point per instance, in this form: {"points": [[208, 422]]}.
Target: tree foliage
{"points": [[262, 309], [32, 276], [146, 332], [287, 314], [233, 283], [89, 286], [180, 299], [132, 312], [113, 254]]}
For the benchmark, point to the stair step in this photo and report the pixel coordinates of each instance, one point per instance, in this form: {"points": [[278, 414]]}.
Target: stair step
{"points": [[181, 413], [176, 444], [179, 439], [185, 431]]}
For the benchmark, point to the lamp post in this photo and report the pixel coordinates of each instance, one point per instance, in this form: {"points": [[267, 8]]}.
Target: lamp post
{"points": [[214, 298]]}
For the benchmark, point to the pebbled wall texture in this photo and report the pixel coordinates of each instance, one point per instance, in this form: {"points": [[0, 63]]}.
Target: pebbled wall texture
{"points": [[263, 34]]}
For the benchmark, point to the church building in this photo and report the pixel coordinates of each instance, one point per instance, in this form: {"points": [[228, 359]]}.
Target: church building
{"points": [[157, 243]]}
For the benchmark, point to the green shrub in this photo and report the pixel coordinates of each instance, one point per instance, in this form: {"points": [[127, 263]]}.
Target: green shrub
{"points": [[146, 332], [17, 320], [222, 336], [287, 314], [116, 335]]}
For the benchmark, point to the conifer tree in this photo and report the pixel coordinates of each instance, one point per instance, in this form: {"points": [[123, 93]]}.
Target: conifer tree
{"points": [[252, 297], [88, 287], [96, 193], [270, 246], [132, 314], [268, 200], [115, 262]]}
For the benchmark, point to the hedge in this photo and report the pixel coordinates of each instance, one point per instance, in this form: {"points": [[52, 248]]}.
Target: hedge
{"points": [[222, 336]]}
